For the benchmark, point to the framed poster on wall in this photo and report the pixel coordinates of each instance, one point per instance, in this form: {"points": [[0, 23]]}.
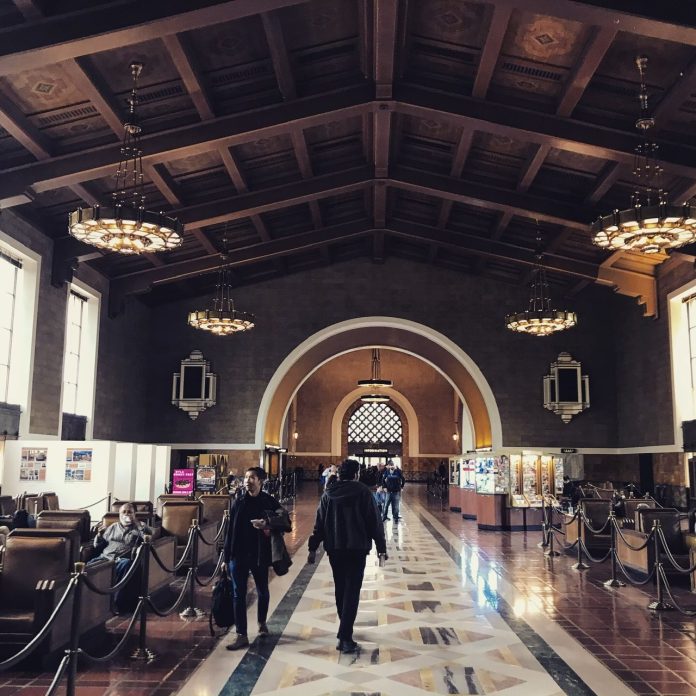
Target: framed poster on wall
{"points": [[205, 479], [78, 465], [32, 466]]}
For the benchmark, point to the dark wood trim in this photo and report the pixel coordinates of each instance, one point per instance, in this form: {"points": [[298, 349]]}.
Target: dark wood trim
{"points": [[491, 50]]}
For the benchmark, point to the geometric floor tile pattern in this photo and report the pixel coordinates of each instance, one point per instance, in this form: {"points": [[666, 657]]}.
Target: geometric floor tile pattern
{"points": [[424, 627]]}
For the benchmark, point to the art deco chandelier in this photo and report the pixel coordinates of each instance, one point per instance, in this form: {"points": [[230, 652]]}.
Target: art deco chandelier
{"points": [[651, 224], [540, 319], [124, 226], [223, 319], [376, 383]]}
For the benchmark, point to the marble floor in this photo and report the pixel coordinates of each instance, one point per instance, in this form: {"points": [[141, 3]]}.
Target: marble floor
{"points": [[455, 610]]}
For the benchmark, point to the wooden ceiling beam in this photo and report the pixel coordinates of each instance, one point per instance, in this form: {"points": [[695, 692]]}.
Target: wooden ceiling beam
{"points": [[378, 246], [607, 178], [533, 166], [492, 198], [109, 26], [180, 54], [279, 54], [676, 95], [257, 202], [384, 35], [491, 50], [525, 125], [593, 54], [379, 207], [22, 130], [481, 246], [187, 141]]}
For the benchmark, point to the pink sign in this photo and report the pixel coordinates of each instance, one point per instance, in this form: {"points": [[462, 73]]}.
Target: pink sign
{"points": [[182, 481]]}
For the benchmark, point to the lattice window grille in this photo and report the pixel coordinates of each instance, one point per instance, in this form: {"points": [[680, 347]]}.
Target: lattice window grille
{"points": [[375, 423]]}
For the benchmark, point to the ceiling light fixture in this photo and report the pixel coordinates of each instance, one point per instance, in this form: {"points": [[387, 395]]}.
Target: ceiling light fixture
{"points": [[651, 224], [376, 382], [124, 226], [223, 319], [540, 319]]}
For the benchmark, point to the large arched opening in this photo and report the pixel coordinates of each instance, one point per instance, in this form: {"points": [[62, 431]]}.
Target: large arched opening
{"points": [[389, 332]]}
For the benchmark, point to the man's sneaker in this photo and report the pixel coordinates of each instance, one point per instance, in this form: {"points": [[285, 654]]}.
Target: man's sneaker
{"points": [[241, 641], [348, 647], [385, 519], [263, 629]]}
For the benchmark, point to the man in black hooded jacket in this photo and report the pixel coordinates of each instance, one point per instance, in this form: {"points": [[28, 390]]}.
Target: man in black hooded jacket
{"points": [[347, 521]]}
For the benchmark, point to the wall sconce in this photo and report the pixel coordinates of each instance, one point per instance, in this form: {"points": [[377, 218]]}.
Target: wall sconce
{"points": [[295, 435], [566, 389]]}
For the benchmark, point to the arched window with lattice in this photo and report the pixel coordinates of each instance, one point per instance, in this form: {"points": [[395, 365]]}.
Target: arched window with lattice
{"points": [[375, 425]]}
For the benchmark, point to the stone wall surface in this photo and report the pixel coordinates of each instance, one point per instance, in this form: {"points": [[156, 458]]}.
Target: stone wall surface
{"points": [[468, 310]]}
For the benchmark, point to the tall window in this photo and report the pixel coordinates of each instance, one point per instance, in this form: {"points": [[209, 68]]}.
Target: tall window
{"points": [[73, 350], [691, 318], [9, 273], [375, 424]]}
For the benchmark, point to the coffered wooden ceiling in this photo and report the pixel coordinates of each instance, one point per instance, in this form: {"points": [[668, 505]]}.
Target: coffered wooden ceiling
{"points": [[314, 132]]}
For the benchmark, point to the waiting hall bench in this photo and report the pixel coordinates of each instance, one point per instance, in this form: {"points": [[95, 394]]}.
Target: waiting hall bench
{"points": [[36, 571]]}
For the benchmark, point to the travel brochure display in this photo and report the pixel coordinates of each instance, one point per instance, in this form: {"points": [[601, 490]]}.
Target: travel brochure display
{"points": [[533, 476], [468, 475], [33, 464], [182, 481], [78, 465]]}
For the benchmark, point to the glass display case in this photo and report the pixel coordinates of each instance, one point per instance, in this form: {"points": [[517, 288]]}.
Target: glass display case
{"points": [[533, 476], [468, 474], [491, 475]]}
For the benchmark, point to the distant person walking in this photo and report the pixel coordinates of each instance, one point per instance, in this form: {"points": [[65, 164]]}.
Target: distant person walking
{"points": [[347, 522], [392, 482]]}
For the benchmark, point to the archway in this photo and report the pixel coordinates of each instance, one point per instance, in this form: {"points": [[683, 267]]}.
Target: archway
{"points": [[390, 332]]}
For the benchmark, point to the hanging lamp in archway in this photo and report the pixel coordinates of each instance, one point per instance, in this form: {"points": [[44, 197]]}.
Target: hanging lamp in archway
{"points": [[375, 383]]}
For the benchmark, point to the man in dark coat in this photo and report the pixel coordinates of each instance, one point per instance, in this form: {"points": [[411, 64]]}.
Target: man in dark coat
{"points": [[393, 482], [248, 550], [347, 522]]}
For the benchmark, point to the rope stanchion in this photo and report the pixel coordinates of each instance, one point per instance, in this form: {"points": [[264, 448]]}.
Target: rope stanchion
{"points": [[216, 572], [613, 580], [29, 648], [110, 656], [580, 564], [180, 598], [632, 581], [121, 583], [590, 557], [672, 559], [192, 611], [659, 603], [74, 650], [142, 653], [544, 525], [55, 682], [668, 589], [184, 556], [551, 551]]}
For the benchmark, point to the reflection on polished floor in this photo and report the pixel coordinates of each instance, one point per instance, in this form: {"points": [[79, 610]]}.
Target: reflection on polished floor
{"points": [[455, 610], [439, 618]]}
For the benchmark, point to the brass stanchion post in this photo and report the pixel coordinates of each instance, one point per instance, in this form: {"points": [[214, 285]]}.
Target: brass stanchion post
{"points": [[658, 604], [613, 580], [191, 611], [544, 525], [580, 564], [142, 652], [74, 649]]}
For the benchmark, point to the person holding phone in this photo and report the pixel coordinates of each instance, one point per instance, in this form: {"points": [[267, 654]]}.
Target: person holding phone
{"points": [[248, 550]]}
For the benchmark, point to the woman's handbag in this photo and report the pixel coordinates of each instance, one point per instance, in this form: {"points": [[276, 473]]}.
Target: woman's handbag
{"points": [[222, 603]]}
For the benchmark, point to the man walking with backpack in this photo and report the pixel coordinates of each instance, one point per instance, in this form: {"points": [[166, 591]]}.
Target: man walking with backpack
{"points": [[392, 482]]}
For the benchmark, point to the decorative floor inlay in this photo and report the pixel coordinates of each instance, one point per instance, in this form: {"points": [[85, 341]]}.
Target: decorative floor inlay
{"points": [[446, 634]]}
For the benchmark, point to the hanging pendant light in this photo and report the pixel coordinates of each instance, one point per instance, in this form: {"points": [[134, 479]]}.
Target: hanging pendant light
{"points": [[651, 224], [540, 319], [124, 226], [376, 382], [223, 319]]}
